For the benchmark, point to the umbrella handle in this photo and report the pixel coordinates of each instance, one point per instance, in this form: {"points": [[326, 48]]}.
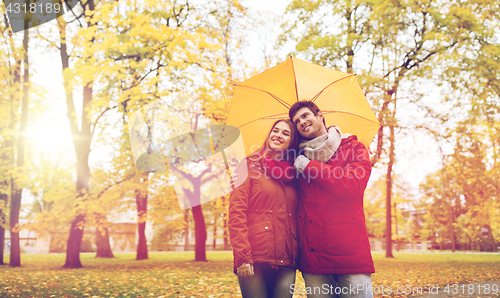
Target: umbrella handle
{"points": [[227, 168]]}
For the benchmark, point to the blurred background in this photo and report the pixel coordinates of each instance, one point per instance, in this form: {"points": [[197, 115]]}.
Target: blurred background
{"points": [[68, 183]]}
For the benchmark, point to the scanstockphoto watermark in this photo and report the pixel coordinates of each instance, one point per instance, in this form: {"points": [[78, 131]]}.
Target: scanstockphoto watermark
{"points": [[356, 155], [25, 14], [450, 289], [327, 289], [363, 289], [354, 168], [328, 172]]}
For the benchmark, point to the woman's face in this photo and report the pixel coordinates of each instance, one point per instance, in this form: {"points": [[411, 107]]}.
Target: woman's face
{"points": [[280, 136]]}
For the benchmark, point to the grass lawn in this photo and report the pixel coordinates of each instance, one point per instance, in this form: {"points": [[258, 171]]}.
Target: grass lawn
{"points": [[174, 274]]}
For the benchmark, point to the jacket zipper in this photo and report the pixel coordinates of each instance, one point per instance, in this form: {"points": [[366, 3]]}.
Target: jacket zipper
{"points": [[275, 242]]}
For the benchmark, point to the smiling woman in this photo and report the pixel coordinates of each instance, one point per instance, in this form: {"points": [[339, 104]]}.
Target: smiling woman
{"points": [[261, 220]]}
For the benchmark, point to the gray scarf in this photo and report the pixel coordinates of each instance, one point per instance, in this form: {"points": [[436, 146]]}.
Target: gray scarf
{"points": [[323, 147]]}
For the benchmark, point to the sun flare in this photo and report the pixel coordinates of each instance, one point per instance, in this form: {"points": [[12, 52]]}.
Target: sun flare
{"points": [[49, 135]]}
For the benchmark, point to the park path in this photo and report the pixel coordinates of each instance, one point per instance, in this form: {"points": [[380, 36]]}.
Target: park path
{"points": [[475, 289]]}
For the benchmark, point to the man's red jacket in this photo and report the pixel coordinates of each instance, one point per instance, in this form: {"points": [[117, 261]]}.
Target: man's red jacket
{"points": [[331, 222]]}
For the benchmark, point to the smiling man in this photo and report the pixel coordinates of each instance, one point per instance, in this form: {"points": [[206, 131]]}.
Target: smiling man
{"points": [[334, 251]]}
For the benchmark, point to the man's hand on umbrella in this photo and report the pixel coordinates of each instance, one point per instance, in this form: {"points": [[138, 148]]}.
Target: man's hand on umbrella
{"points": [[245, 270]]}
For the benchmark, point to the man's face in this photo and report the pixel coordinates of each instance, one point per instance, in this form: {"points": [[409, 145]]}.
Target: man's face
{"points": [[309, 125]]}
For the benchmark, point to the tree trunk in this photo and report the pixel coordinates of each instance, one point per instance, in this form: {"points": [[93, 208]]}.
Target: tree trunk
{"points": [[452, 231], [200, 229], [491, 240], [141, 199], [446, 196], [15, 248], [398, 241], [15, 204], [351, 33], [81, 142], [388, 231], [7, 161], [3, 201], [214, 245], [224, 218], [53, 245], [74, 243], [102, 244], [9, 141], [102, 239], [200, 232], [226, 237], [186, 230], [2, 234]]}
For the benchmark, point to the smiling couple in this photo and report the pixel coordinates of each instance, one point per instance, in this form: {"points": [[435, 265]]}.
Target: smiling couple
{"points": [[305, 212]]}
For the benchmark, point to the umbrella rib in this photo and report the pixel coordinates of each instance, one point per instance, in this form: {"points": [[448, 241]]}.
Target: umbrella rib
{"points": [[319, 93], [353, 115], [295, 80], [251, 122], [260, 119], [286, 105]]}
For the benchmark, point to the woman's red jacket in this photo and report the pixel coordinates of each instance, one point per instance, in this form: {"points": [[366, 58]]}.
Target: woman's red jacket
{"points": [[262, 217]]}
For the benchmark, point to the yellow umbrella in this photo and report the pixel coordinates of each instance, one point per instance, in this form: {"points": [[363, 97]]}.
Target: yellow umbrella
{"points": [[260, 100]]}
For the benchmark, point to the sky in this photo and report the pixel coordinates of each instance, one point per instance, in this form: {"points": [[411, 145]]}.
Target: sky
{"points": [[417, 154]]}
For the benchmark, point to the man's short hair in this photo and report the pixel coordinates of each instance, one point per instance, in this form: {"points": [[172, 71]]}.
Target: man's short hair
{"points": [[304, 104]]}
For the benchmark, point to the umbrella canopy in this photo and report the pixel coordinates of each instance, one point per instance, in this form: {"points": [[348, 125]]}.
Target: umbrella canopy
{"points": [[266, 97]]}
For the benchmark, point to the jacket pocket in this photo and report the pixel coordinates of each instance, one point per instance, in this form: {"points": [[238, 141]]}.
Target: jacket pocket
{"points": [[342, 233], [258, 236]]}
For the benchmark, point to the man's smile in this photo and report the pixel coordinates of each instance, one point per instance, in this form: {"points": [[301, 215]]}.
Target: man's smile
{"points": [[306, 128]]}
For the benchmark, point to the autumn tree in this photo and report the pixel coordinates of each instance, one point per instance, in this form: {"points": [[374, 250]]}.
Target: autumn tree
{"points": [[443, 208], [97, 40], [80, 124], [152, 52], [187, 147], [15, 203], [231, 19], [471, 94], [462, 207], [12, 146], [146, 70], [10, 80], [402, 205]]}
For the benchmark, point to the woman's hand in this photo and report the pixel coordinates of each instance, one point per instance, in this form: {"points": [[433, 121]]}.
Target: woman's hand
{"points": [[245, 270]]}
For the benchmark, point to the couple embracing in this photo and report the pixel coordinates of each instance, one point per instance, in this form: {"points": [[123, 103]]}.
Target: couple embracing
{"points": [[301, 206]]}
